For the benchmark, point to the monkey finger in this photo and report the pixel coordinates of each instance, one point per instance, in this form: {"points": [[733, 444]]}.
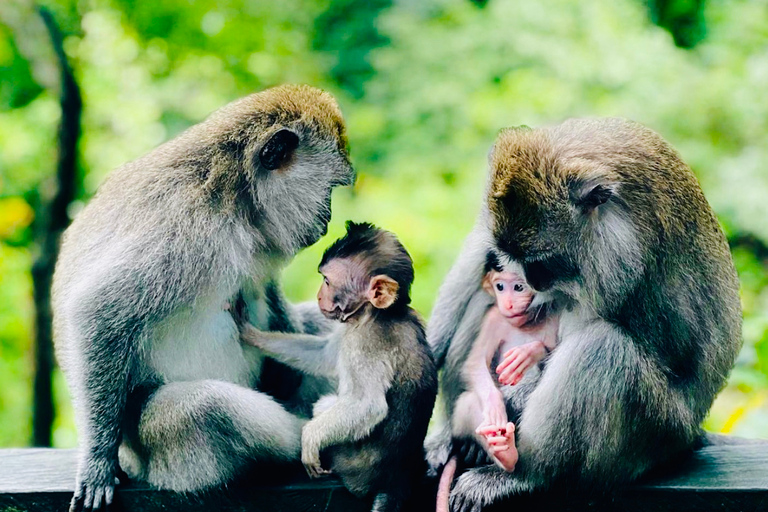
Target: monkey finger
{"points": [[518, 368], [98, 494], [508, 359], [77, 501], [485, 430], [513, 362], [517, 375]]}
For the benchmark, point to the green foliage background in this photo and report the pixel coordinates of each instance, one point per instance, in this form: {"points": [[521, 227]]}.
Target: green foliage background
{"points": [[425, 86]]}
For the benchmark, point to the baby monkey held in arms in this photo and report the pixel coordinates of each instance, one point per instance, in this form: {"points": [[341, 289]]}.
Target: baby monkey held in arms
{"points": [[515, 336], [369, 433]]}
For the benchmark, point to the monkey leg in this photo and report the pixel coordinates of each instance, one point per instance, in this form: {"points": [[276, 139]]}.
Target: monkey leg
{"points": [[325, 403], [195, 435]]}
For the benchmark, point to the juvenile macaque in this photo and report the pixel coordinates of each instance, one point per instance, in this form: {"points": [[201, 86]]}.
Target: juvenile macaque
{"points": [[371, 432], [523, 340]]}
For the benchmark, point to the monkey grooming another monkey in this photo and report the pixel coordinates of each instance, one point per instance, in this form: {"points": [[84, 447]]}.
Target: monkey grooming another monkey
{"points": [[153, 360], [373, 429], [524, 341], [604, 215]]}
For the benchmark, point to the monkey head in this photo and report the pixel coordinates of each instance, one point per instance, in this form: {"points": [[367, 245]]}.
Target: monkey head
{"points": [[559, 201], [280, 153], [367, 266], [509, 288]]}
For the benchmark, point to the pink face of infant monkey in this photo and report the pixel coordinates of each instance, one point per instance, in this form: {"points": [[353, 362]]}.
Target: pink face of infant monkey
{"points": [[512, 293], [513, 297]]}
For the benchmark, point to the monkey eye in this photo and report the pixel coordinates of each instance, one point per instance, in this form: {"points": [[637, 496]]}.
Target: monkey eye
{"points": [[518, 287], [600, 194], [500, 287], [277, 149]]}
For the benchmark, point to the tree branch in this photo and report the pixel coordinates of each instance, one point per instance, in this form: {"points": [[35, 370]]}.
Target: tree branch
{"points": [[51, 220]]}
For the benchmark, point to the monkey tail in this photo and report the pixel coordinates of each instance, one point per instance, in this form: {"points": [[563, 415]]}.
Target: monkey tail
{"points": [[444, 487]]}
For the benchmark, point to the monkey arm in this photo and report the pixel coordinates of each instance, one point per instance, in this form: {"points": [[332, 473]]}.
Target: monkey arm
{"points": [[361, 405], [462, 282], [477, 368], [316, 355], [281, 315], [103, 389]]}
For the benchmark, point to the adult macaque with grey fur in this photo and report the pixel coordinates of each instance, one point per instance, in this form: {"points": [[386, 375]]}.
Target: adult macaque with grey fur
{"points": [[373, 428], [508, 331], [153, 359], [604, 215]]}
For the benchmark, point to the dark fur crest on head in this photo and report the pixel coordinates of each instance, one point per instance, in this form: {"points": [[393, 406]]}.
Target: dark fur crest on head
{"points": [[382, 251], [492, 262]]}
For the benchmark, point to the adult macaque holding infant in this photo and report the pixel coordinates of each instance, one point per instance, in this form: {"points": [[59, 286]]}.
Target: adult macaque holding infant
{"points": [[605, 219]]}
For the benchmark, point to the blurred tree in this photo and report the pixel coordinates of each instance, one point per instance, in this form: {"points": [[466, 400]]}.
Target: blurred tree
{"points": [[684, 19], [50, 208], [347, 30], [425, 86]]}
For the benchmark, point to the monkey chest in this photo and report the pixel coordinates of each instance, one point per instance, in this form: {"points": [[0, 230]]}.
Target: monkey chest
{"points": [[202, 344]]}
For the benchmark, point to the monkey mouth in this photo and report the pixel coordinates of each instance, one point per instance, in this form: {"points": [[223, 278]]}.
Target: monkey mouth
{"points": [[334, 314]]}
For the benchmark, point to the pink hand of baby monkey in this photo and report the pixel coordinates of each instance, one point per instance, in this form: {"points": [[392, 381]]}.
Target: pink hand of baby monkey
{"points": [[518, 359], [501, 443]]}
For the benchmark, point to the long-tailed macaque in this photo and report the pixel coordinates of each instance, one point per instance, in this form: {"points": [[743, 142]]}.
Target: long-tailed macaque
{"points": [[154, 362], [372, 430], [518, 341], [604, 214]]}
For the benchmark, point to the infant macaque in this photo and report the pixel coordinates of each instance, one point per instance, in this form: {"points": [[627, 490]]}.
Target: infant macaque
{"points": [[523, 340], [372, 431]]}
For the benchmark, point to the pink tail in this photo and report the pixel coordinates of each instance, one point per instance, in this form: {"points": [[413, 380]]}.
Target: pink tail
{"points": [[444, 487]]}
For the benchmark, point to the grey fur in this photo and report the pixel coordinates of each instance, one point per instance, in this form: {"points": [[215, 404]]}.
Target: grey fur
{"points": [[142, 331], [653, 322]]}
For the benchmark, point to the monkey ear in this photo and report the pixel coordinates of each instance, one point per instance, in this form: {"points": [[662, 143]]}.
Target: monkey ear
{"points": [[382, 291], [278, 149], [487, 285], [599, 194]]}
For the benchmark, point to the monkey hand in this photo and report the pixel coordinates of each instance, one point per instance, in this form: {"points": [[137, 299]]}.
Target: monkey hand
{"points": [[311, 461], [95, 487], [310, 452], [470, 453], [251, 335], [518, 359], [501, 444]]}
